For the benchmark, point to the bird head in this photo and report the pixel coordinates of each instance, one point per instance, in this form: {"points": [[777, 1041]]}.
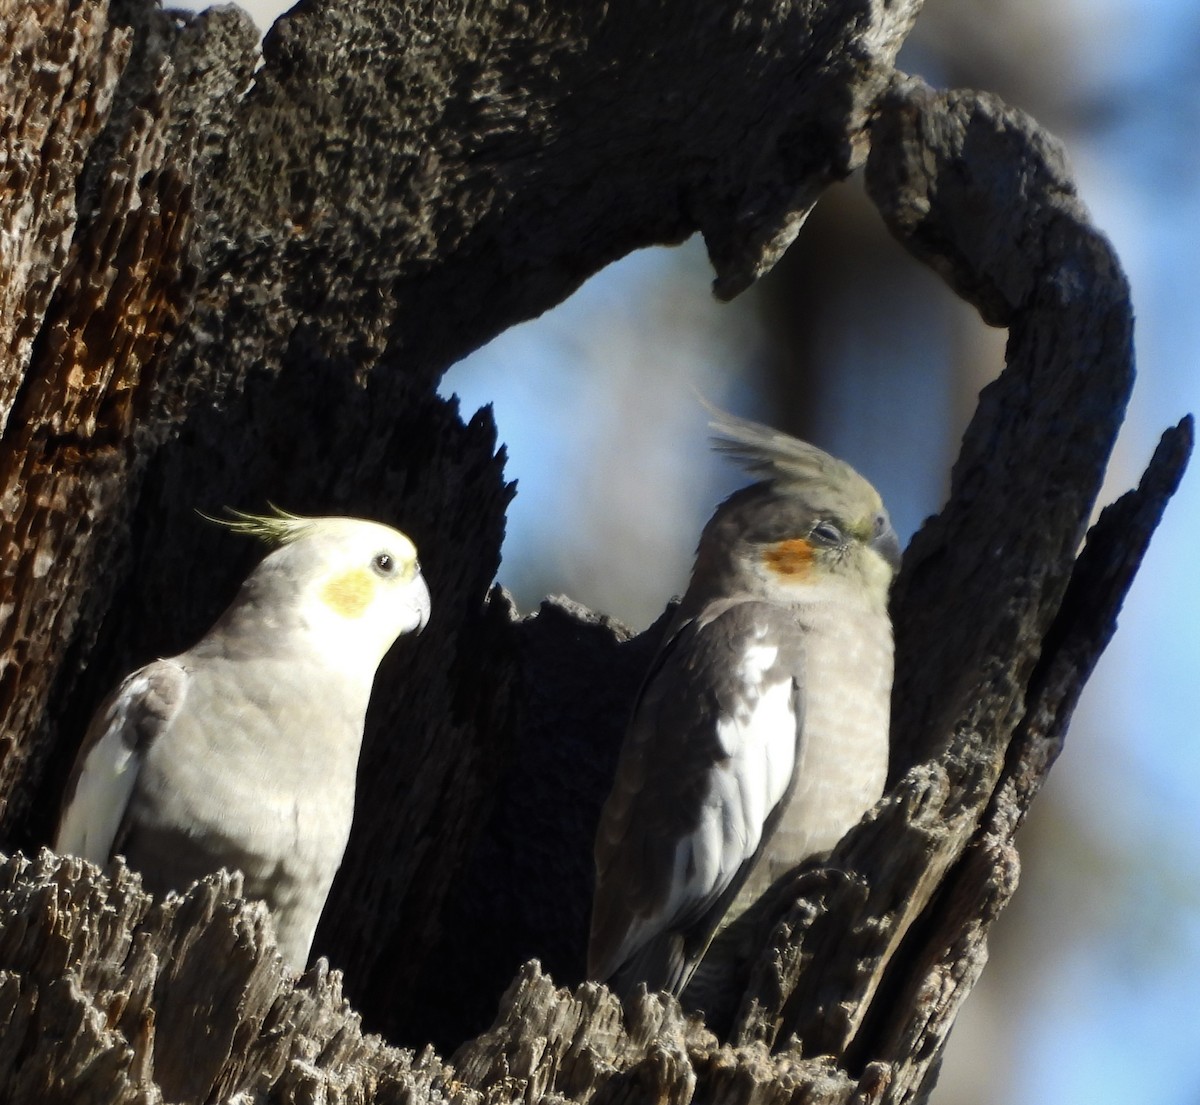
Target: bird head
{"points": [[810, 528], [349, 586]]}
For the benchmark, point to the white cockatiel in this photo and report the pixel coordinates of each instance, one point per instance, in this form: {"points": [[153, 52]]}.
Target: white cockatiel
{"points": [[242, 752], [760, 735]]}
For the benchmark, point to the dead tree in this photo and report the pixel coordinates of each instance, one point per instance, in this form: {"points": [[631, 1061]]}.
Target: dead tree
{"points": [[226, 285]]}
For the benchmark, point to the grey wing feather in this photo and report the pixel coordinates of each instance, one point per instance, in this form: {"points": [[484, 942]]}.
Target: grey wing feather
{"points": [[680, 830], [106, 769]]}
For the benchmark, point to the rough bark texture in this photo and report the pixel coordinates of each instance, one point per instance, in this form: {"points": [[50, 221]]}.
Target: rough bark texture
{"points": [[227, 286]]}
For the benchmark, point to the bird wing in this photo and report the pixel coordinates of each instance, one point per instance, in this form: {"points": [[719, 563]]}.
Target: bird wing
{"points": [[107, 766], [707, 761]]}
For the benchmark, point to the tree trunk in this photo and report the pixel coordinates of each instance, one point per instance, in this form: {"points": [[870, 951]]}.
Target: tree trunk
{"points": [[223, 286]]}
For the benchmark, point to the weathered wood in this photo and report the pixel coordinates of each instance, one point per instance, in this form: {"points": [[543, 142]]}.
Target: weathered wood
{"points": [[231, 286]]}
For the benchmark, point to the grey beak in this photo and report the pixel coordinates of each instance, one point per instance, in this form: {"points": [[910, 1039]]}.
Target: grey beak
{"points": [[887, 544], [421, 602]]}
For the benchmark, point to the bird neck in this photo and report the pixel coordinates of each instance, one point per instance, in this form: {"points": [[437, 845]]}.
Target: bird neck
{"points": [[256, 625]]}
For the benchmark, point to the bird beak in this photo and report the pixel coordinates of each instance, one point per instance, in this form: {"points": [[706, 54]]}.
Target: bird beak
{"points": [[420, 602], [887, 544]]}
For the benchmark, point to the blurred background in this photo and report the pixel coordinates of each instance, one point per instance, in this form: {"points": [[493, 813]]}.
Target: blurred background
{"points": [[1091, 995]]}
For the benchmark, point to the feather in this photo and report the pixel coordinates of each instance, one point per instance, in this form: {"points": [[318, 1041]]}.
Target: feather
{"points": [[106, 772], [696, 794], [773, 456], [277, 528]]}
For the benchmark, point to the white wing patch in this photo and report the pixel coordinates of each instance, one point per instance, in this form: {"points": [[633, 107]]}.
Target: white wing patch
{"points": [[759, 739], [90, 823], [757, 660]]}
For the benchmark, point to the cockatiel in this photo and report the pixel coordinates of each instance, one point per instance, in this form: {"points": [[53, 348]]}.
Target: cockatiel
{"points": [[760, 735], [242, 752]]}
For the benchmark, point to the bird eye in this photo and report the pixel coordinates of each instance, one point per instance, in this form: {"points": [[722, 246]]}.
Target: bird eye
{"points": [[879, 524], [383, 564], [827, 533]]}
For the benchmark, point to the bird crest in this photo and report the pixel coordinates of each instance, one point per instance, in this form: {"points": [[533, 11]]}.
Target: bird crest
{"points": [[778, 458], [772, 456], [277, 528]]}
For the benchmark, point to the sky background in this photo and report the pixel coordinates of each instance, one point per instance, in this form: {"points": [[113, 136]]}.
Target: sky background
{"points": [[1091, 993]]}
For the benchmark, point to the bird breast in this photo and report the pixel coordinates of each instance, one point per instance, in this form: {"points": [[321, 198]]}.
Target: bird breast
{"points": [[261, 769], [843, 751]]}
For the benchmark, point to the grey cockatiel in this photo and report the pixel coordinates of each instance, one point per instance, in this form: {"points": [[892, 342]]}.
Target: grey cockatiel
{"points": [[242, 752], [761, 732]]}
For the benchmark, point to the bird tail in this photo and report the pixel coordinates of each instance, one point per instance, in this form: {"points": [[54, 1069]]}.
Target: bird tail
{"points": [[662, 963]]}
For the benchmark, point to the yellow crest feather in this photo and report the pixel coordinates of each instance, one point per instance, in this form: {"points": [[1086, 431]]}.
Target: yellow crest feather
{"points": [[277, 528]]}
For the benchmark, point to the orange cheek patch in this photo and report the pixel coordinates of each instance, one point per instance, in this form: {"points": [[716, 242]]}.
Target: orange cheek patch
{"points": [[790, 558], [350, 593]]}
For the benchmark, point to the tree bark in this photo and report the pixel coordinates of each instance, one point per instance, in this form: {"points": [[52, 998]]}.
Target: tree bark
{"points": [[222, 286]]}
